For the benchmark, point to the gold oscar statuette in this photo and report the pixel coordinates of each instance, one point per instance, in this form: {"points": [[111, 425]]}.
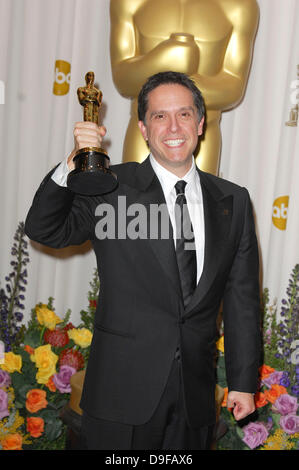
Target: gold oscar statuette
{"points": [[92, 175]]}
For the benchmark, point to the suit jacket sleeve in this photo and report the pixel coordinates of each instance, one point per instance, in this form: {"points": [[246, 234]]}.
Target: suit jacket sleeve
{"points": [[58, 217], [241, 311]]}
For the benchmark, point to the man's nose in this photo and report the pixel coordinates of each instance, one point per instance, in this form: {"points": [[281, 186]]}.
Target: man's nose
{"points": [[173, 124]]}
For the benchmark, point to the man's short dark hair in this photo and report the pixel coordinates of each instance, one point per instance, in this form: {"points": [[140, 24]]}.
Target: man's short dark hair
{"points": [[165, 78]]}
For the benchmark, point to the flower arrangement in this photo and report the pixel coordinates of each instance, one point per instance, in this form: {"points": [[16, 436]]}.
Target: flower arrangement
{"points": [[280, 332], [275, 424], [40, 359], [35, 380], [38, 363]]}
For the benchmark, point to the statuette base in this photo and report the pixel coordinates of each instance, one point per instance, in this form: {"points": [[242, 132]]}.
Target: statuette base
{"points": [[92, 175]]}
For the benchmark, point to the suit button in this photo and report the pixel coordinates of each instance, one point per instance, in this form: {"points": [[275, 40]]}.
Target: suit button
{"points": [[177, 354], [181, 321]]}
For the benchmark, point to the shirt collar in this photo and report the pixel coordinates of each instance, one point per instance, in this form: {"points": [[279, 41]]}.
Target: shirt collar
{"points": [[169, 179]]}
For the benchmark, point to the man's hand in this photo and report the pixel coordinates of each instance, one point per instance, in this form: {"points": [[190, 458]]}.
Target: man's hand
{"points": [[242, 404], [86, 134]]}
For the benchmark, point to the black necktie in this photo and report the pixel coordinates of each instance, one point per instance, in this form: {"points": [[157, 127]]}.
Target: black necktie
{"points": [[185, 243]]}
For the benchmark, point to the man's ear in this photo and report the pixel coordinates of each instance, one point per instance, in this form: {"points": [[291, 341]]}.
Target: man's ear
{"points": [[200, 126], [143, 130]]}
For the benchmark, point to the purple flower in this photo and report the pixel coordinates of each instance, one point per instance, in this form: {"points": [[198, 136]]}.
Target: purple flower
{"points": [[273, 378], [285, 381], [10, 297], [3, 404], [5, 379], [290, 423], [255, 434], [62, 379], [285, 404]]}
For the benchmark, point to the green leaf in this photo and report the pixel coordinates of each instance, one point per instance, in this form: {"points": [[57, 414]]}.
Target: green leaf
{"points": [[50, 304], [32, 338], [66, 318], [17, 380], [239, 431], [48, 415], [57, 404], [22, 392], [276, 418], [53, 429], [18, 404]]}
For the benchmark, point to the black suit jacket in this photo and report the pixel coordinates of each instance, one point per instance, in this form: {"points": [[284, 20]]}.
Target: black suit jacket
{"points": [[140, 318]]}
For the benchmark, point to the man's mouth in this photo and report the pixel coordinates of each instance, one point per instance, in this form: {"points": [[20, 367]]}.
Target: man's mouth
{"points": [[174, 142]]}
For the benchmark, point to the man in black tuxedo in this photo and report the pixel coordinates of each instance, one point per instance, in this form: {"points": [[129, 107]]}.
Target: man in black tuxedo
{"points": [[150, 380]]}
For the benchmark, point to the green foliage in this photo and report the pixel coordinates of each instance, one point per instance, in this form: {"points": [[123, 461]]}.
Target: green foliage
{"points": [[87, 316]]}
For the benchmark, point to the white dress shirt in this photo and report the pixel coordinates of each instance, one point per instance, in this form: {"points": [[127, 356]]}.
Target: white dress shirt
{"points": [[61, 173], [193, 195], [168, 180]]}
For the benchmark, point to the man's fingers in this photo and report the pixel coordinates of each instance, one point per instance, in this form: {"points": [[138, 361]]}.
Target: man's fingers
{"points": [[239, 410], [87, 141], [87, 125], [88, 134], [241, 403]]}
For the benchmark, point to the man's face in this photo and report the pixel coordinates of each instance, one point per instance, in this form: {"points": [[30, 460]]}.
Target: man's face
{"points": [[171, 127]]}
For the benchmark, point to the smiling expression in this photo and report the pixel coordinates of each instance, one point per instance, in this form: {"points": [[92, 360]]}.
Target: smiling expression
{"points": [[172, 127]]}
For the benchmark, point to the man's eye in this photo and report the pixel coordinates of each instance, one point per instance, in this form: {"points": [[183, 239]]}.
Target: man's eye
{"points": [[159, 116], [185, 115]]}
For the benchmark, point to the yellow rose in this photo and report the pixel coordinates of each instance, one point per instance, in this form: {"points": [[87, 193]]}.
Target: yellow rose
{"points": [[12, 362], [47, 317], [81, 336], [220, 344], [45, 360]]}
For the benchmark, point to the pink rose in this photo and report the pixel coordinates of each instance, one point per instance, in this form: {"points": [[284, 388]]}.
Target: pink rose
{"points": [[5, 379], [255, 434], [3, 404], [62, 379], [285, 404], [290, 423]]}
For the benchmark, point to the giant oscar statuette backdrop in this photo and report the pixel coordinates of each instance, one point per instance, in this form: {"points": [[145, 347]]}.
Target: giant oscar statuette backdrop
{"points": [[210, 40]]}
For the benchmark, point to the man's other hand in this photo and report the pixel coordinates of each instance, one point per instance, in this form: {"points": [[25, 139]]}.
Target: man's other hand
{"points": [[242, 404]]}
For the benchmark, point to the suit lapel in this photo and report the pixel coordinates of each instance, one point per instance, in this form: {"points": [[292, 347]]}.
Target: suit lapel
{"points": [[151, 193], [217, 220]]}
